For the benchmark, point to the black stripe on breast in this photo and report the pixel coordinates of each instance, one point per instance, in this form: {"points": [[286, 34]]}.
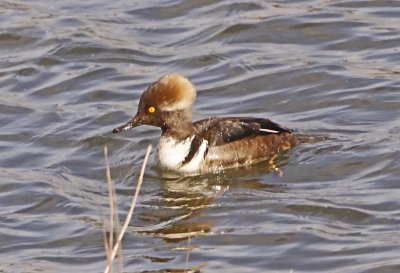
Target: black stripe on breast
{"points": [[194, 149]]}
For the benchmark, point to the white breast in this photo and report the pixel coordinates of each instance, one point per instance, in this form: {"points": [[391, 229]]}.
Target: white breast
{"points": [[171, 153]]}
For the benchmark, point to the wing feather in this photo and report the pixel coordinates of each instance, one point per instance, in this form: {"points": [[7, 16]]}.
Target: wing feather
{"points": [[219, 131]]}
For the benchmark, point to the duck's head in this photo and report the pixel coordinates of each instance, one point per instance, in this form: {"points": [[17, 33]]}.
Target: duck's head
{"points": [[168, 100]]}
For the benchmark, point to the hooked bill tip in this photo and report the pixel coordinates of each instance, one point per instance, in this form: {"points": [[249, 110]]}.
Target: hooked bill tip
{"points": [[122, 128]]}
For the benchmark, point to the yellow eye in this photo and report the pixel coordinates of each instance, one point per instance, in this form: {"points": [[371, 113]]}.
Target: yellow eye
{"points": [[152, 109]]}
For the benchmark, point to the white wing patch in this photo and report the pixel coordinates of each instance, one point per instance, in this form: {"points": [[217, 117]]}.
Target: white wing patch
{"points": [[269, 131]]}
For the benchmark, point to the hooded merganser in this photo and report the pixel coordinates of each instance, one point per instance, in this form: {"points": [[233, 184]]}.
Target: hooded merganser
{"points": [[208, 145]]}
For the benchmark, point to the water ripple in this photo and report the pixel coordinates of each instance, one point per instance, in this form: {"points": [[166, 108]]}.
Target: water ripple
{"points": [[70, 72]]}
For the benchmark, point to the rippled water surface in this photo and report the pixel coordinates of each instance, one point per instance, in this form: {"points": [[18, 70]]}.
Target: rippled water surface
{"points": [[70, 71]]}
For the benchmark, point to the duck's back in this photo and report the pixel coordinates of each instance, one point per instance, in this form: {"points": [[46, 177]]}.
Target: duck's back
{"points": [[234, 142]]}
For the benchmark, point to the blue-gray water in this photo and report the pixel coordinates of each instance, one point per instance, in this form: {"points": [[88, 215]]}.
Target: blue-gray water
{"points": [[71, 71]]}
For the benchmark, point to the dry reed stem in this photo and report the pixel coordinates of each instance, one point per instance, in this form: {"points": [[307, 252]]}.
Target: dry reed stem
{"points": [[117, 245], [106, 245], [114, 213], [187, 256], [111, 205]]}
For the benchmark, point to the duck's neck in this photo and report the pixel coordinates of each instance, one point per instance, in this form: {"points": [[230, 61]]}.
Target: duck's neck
{"points": [[178, 124]]}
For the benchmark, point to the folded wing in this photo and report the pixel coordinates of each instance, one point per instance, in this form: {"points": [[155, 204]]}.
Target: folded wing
{"points": [[219, 131]]}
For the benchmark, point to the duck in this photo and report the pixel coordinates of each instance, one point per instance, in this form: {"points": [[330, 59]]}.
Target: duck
{"points": [[208, 145]]}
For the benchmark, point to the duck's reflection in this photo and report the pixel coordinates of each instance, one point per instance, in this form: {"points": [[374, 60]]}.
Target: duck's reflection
{"points": [[184, 208], [179, 210], [181, 207]]}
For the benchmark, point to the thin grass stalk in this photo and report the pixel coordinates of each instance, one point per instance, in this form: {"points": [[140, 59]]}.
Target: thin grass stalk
{"points": [[115, 220], [130, 212], [187, 255], [114, 212], [106, 245], [111, 200]]}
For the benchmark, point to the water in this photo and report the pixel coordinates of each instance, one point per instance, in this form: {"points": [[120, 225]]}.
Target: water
{"points": [[72, 71]]}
